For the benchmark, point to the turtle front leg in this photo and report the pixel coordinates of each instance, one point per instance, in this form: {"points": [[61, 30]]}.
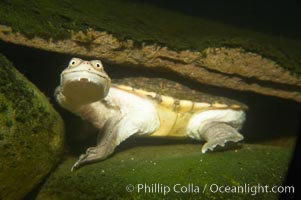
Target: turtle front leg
{"points": [[115, 131], [219, 134], [106, 146], [98, 153]]}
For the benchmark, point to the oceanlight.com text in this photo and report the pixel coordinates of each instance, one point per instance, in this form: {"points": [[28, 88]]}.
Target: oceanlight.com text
{"points": [[212, 188]]}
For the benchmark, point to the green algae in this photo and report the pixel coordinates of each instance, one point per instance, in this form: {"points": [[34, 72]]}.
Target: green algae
{"points": [[169, 165], [31, 134], [143, 23]]}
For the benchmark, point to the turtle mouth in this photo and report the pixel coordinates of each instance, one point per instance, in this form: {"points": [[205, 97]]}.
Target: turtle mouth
{"points": [[85, 86], [83, 76], [84, 80]]}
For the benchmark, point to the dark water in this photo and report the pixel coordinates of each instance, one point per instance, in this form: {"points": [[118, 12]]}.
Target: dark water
{"points": [[279, 18]]}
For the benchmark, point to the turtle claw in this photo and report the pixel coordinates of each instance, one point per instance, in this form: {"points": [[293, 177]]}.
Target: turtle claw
{"points": [[80, 162], [74, 167], [94, 154], [91, 150], [211, 145], [218, 134]]}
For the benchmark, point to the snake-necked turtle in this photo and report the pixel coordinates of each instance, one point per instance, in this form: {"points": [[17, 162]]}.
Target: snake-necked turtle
{"points": [[120, 112]]}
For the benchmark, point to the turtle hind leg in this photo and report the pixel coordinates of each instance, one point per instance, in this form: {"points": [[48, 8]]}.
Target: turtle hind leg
{"points": [[218, 134]]}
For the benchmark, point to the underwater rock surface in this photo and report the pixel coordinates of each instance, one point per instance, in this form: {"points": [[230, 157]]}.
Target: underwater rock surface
{"points": [[169, 165], [232, 68], [31, 134], [144, 36]]}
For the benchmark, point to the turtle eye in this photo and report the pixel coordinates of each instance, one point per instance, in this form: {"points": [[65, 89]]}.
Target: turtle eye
{"points": [[97, 64], [74, 62]]}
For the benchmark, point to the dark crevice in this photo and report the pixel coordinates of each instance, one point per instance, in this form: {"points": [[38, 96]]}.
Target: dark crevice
{"points": [[32, 195], [254, 80], [173, 60]]}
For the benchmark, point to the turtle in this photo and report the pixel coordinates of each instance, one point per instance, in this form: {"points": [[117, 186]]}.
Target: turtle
{"points": [[120, 111]]}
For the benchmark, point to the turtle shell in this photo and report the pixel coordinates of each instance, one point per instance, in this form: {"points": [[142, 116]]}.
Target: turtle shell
{"points": [[174, 95]]}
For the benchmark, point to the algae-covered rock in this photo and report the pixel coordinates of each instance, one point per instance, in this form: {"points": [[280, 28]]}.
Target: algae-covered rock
{"points": [[159, 167], [138, 34], [31, 134]]}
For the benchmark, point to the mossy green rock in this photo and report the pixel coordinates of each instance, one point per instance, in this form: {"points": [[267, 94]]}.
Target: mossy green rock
{"points": [[169, 165], [31, 134], [172, 43], [144, 23]]}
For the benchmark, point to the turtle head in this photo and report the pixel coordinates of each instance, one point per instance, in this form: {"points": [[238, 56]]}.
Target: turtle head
{"points": [[84, 82]]}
